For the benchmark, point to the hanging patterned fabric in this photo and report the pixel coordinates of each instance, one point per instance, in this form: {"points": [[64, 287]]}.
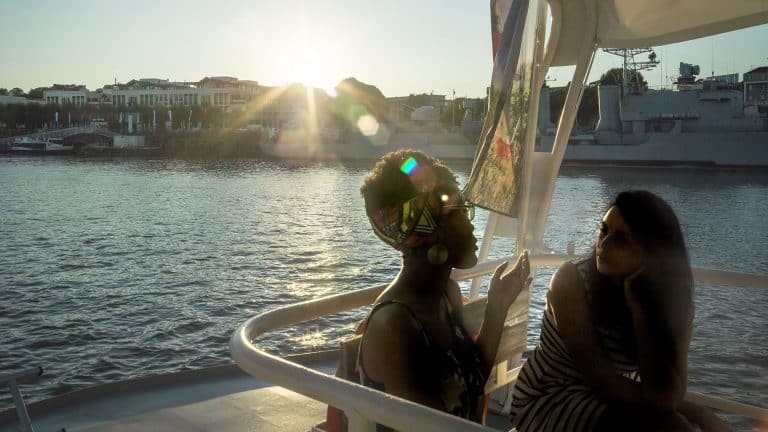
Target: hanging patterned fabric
{"points": [[497, 174]]}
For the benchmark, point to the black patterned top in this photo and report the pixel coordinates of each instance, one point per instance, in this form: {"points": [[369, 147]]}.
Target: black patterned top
{"points": [[458, 376]]}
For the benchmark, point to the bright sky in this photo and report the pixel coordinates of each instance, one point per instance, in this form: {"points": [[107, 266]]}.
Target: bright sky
{"points": [[400, 46]]}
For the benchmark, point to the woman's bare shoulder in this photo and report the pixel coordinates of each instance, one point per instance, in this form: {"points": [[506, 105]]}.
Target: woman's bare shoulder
{"points": [[392, 343], [392, 320], [565, 283]]}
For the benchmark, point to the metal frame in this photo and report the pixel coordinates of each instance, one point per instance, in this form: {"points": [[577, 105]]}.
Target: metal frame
{"points": [[12, 379]]}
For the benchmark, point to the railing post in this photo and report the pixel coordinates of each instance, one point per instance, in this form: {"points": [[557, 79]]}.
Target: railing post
{"points": [[21, 408], [358, 423], [28, 375]]}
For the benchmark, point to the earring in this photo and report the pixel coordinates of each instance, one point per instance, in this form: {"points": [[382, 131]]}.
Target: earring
{"points": [[437, 254]]}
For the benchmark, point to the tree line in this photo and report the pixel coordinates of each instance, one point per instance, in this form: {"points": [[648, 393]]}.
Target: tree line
{"points": [[35, 93]]}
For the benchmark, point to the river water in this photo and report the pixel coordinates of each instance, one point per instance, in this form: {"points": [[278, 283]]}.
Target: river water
{"points": [[113, 269]]}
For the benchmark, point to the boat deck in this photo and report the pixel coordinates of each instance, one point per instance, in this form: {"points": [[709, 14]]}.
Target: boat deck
{"points": [[268, 409], [221, 398]]}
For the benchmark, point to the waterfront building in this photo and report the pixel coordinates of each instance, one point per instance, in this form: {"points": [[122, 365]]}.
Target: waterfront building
{"points": [[240, 91], [224, 92], [400, 107], [271, 107], [288, 107], [155, 92], [66, 94], [756, 89]]}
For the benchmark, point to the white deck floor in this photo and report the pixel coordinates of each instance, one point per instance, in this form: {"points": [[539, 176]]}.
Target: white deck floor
{"points": [[222, 399], [270, 409]]}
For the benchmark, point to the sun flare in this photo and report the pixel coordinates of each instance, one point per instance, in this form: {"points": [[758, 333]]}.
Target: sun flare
{"points": [[313, 68]]}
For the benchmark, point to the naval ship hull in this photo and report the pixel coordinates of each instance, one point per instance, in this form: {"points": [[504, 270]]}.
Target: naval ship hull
{"points": [[721, 149]]}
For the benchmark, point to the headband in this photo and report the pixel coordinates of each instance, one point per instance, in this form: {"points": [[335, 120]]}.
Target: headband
{"points": [[406, 225]]}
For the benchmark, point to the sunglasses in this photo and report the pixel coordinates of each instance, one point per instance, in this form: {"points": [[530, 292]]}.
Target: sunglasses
{"points": [[467, 208]]}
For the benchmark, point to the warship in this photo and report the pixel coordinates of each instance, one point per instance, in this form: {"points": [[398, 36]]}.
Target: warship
{"points": [[716, 121]]}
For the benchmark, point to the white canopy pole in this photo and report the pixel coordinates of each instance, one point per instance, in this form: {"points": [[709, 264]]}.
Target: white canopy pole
{"points": [[539, 74], [586, 54]]}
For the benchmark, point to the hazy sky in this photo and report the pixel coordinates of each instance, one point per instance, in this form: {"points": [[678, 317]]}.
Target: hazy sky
{"points": [[401, 46]]}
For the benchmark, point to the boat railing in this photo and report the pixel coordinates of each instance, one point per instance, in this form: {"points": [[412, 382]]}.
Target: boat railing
{"points": [[12, 379], [365, 407]]}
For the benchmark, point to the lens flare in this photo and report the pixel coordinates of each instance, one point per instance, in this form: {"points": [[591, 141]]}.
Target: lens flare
{"points": [[368, 125], [409, 165]]}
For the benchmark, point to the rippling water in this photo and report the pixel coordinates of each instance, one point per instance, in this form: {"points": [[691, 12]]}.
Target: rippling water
{"points": [[125, 268]]}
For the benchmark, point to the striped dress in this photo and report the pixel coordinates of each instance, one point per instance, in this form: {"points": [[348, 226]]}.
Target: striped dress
{"points": [[550, 393]]}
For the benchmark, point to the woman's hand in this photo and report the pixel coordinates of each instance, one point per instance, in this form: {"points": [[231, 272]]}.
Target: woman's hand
{"points": [[502, 292], [505, 288]]}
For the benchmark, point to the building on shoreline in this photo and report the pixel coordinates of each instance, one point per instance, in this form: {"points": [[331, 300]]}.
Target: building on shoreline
{"points": [[266, 106], [756, 90], [223, 92], [66, 94]]}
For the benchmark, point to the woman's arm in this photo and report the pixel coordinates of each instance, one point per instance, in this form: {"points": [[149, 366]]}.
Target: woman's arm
{"points": [[502, 292], [567, 302], [394, 353]]}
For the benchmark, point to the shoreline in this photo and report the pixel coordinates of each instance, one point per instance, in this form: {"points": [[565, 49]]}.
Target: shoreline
{"points": [[206, 152]]}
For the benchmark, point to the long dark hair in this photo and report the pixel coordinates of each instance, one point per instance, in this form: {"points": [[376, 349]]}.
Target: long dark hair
{"points": [[665, 288]]}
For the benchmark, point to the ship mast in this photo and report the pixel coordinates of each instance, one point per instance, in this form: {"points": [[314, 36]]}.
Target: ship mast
{"points": [[632, 65]]}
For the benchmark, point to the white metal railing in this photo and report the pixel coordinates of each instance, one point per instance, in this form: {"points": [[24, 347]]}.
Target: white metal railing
{"points": [[12, 379], [364, 406], [729, 278], [700, 274]]}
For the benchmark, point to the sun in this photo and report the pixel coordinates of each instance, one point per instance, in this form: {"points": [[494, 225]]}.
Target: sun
{"points": [[312, 58], [314, 68]]}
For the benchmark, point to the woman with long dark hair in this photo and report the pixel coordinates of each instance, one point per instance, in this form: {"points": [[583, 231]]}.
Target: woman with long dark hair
{"points": [[613, 352]]}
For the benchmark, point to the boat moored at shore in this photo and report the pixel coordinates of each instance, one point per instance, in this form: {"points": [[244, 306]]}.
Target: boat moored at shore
{"points": [[48, 146]]}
